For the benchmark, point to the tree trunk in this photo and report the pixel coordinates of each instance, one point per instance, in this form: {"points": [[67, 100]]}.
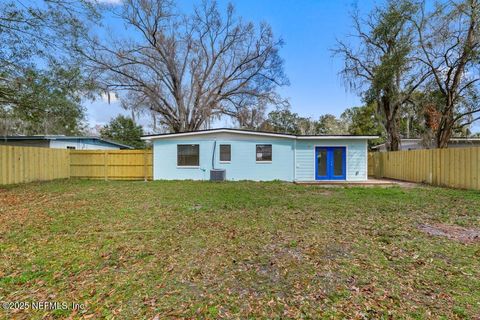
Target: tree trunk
{"points": [[391, 123], [393, 138], [446, 123], [445, 130]]}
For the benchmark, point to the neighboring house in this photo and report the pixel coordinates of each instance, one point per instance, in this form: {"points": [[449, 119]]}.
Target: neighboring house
{"points": [[62, 142], [415, 144], [253, 155]]}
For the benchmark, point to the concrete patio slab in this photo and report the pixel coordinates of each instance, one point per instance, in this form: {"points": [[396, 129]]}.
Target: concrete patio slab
{"points": [[370, 182]]}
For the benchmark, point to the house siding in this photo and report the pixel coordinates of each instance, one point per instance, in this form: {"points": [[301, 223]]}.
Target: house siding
{"points": [[410, 144], [356, 158], [26, 143], [82, 144], [243, 165], [292, 159]]}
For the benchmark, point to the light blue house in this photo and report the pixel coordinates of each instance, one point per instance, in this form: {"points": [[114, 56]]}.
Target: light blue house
{"points": [[259, 156]]}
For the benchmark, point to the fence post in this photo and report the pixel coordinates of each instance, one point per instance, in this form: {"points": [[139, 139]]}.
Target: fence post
{"points": [[432, 154], [382, 164], [379, 165], [105, 165], [145, 164]]}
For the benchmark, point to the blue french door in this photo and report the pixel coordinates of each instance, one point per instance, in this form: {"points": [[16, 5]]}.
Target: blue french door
{"points": [[330, 163]]}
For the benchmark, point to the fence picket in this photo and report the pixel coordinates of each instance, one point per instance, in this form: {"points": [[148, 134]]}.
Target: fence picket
{"points": [[111, 165], [26, 164], [454, 167]]}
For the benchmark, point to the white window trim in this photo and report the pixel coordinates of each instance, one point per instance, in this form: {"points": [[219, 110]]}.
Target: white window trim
{"points": [[263, 161], [189, 166], [220, 153]]}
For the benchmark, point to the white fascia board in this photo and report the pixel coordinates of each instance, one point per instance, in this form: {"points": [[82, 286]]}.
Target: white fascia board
{"points": [[253, 133], [193, 133], [336, 137]]}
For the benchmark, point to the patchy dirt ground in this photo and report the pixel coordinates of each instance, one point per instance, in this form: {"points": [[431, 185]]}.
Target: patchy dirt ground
{"points": [[242, 250], [456, 233]]}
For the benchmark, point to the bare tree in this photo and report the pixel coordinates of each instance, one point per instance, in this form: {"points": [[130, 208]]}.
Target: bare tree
{"points": [[381, 67], [189, 68], [251, 117], [449, 39], [135, 103]]}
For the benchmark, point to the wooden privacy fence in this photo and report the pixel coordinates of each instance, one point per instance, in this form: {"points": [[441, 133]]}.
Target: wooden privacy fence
{"points": [[111, 164], [25, 164], [371, 164], [455, 167]]}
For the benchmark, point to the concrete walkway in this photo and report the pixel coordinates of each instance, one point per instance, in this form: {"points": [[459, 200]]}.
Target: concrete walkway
{"points": [[371, 182]]}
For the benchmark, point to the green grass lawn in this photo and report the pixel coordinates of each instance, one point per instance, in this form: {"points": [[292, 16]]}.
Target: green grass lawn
{"points": [[134, 250]]}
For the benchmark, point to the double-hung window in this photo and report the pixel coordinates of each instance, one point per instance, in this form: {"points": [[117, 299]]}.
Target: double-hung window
{"points": [[264, 153], [188, 155], [225, 153]]}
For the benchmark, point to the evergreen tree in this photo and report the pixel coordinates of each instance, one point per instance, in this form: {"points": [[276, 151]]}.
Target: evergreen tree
{"points": [[123, 130]]}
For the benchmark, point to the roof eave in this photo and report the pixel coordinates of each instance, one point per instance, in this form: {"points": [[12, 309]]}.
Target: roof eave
{"points": [[194, 133], [264, 134], [48, 138], [336, 137]]}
